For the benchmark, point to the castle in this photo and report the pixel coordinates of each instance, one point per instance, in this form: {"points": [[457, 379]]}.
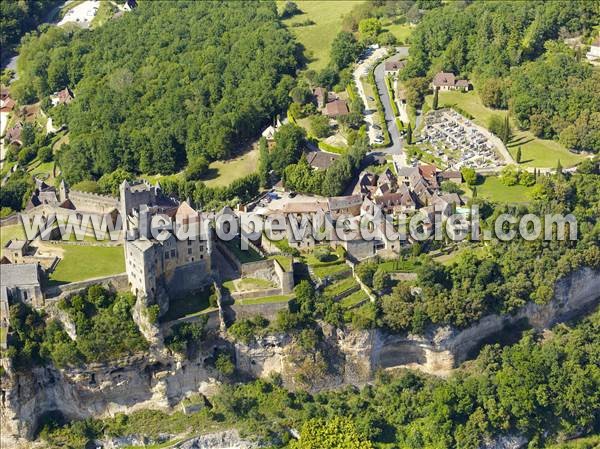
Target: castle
{"points": [[155, 264]]}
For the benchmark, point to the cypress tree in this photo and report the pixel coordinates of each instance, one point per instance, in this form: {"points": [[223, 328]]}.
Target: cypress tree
{"points": [[435, 99], [519, 155], [559, 168], [409, 134]]}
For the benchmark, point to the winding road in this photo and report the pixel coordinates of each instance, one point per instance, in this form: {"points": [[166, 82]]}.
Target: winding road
{"points": [[390, 119]]}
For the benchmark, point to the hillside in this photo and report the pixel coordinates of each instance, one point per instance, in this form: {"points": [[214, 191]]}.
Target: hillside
{"points": [[162, 85]]}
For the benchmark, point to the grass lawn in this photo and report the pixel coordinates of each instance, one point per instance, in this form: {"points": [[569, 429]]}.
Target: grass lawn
{"points": [[448, 259], [284, 261], [186, 306], [399, 265], [10, 233], [243, 255], [265, 300], [317, 38], [402, 31], [85, 262], [535, 152], [492, 189], [247, 284], [352, 300], [222, 173], [42, 170], [331, 270], [340, 286]]}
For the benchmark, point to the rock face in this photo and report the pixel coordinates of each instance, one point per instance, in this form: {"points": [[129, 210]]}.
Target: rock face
{"points": [[162, 382], [97, 390]]}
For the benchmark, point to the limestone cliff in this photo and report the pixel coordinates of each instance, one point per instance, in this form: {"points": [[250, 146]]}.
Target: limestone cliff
{"points": [[153, 381]]}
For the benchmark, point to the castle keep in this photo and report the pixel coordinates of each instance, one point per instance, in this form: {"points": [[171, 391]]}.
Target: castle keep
{"points": [[171, 265]]}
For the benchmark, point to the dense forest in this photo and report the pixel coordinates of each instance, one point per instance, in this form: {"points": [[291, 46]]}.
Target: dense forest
{"points": [[20, 17], [163, 85], [544, 388], [506, 49]]}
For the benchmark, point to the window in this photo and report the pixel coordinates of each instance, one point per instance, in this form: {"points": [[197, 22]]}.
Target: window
{"points": [[201, 247], [201, 256], [189, 250], [189, 243], [25, 295], [172, 253]]}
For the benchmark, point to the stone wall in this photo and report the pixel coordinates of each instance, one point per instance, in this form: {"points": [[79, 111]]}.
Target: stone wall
{"points": [[148, 382], [118, 282], [93, 202], [192, 276], [268, 310]]}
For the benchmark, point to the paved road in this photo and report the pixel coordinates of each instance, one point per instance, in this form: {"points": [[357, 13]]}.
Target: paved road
{"points": [[396, 141]]}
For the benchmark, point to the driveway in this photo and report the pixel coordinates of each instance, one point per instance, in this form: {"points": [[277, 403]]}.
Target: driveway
{"points": [[396, 141], [362, 70]]}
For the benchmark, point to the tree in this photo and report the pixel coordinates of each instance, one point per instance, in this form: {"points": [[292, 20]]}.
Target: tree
{"points": [[196, 169], [111, 182], [365, 271], [301, 94], [435, 99], [518, 157], [469, 175], [290, 9], [28, 134], [369, 29], [335, 433], [381, 280], [206, 113], [409, 134], [319, 126], [559, 168], [289, 141], [344, 50]]}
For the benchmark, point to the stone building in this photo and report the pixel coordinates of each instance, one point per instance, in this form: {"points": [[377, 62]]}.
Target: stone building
{"points": [[22, 282], [175, 261]]}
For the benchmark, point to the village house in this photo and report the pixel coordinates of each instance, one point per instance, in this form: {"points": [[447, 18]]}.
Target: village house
{"points": [[393, 67], [13, 135], [446, 81], [7, 104], [336, 108], [320, 160], [64, 96]]}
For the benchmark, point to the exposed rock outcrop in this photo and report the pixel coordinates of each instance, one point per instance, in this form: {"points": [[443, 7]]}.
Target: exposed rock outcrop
{"points": [[354, 356]]}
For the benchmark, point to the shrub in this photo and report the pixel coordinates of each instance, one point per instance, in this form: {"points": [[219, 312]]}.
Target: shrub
{"points": [[196, 169]]}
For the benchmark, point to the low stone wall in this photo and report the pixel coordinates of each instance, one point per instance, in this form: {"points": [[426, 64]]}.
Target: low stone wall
{"points": [[238, 311], [118, 282], [256, 293]]}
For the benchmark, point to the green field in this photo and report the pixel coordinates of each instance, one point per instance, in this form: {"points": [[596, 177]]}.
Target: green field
{"points": [[401, 31], [535, 152], [317, 38], [492, 189], [85, 262], [10, 233], [265, 300], [222, 173]]}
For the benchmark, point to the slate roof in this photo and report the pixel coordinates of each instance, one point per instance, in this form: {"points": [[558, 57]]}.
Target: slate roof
{"points": [[19, 274]]}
